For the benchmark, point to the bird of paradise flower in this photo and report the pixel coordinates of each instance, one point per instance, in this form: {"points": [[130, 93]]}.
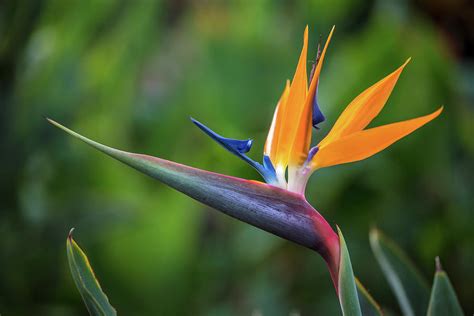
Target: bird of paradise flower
{"points": [[279, 206]]}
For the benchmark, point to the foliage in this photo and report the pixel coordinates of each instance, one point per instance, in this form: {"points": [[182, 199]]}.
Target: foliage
{"points": [[348, 296], [353, 297], [407, 284], [443, 300], [86, 282]]}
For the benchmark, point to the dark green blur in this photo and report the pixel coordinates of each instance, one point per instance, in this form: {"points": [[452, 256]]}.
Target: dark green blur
{"points": [[129, 74]]}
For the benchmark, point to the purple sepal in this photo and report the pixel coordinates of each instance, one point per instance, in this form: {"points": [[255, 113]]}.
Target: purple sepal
{"points": [[311, 154]]}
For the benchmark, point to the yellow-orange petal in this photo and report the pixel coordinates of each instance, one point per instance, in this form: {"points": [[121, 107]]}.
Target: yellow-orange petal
{"points": [[271, 144], [364, 108], [363, 144], [294, 106], [302, 138]]}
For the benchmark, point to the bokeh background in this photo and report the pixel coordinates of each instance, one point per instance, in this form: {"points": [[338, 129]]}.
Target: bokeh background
{"points": [[130, 73]]}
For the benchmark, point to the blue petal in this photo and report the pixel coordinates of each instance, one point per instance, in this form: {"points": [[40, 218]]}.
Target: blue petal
{"points": [[235, 146], [239, 148], [267, 164], [318, 116]]}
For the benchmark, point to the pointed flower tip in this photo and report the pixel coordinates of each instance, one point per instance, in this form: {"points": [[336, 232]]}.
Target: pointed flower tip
{"points": [[305, 36], [331, 32], [400, 69], [393, 77], [436, 113], [404, 64]]}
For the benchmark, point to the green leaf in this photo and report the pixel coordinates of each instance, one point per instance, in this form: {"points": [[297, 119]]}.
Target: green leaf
{"points": [[368, 305], [410, 289], [347, 291], [443, 300], [94, 298]]}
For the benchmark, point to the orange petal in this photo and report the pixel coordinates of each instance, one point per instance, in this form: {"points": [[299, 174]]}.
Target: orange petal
{"points": [[363, 144], [271, 144], [294, 106], [302, 138], [364, 108]]}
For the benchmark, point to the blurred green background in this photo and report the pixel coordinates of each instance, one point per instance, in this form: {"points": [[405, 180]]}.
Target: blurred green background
{"points": [[130, 73]]}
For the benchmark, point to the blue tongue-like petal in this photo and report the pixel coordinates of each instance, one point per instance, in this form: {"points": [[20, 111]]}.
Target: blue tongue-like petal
{"points": [[239, 148], [318, 116], [235, 146]]}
